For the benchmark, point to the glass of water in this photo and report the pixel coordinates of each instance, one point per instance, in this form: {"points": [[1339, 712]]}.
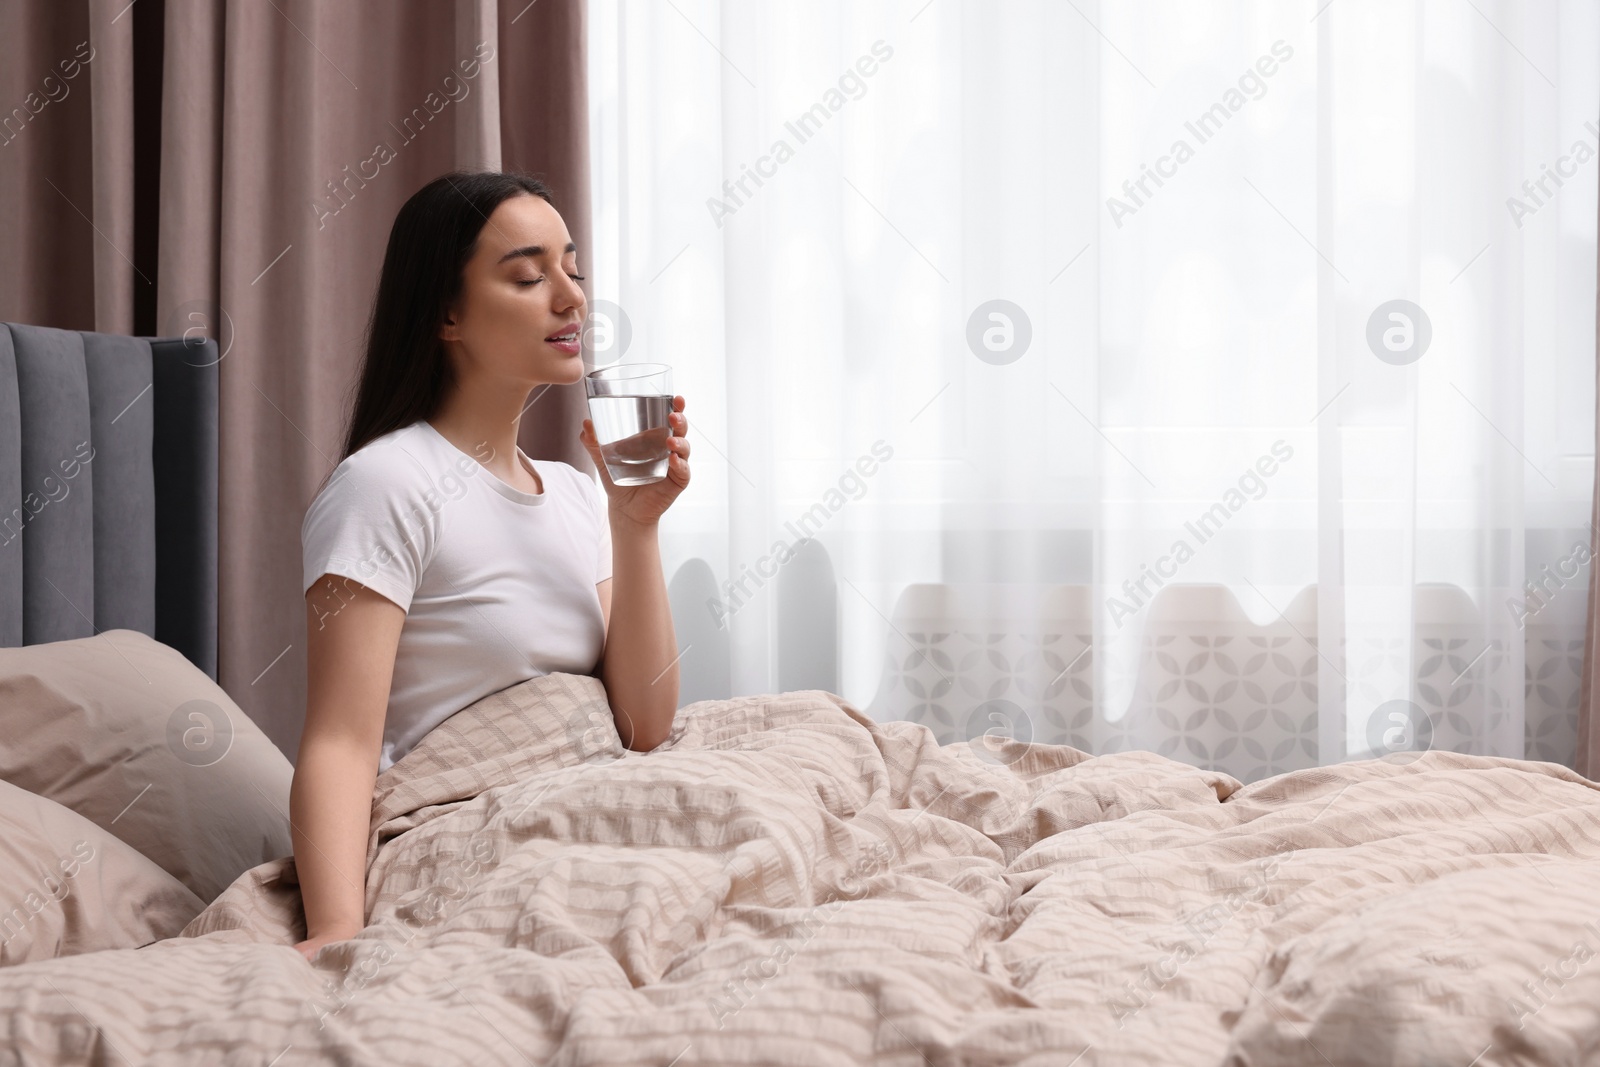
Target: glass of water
{"points": [[629, 404]]}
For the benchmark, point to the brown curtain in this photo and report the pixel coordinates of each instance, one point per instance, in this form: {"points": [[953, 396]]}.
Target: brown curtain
{"points": [[211, 165], [66, 165]]}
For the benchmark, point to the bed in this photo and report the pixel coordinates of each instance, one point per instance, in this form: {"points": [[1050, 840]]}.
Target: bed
{"points": [[136, 545], [787, 881]]}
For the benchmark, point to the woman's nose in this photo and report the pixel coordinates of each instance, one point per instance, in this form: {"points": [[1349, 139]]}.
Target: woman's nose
{"points": [[572, 295]]}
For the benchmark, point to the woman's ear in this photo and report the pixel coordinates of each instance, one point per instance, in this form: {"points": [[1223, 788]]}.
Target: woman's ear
{"points": [[448, 328]]}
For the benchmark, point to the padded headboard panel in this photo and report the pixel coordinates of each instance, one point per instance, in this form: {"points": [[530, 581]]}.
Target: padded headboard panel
{"points": [[108, 488]]}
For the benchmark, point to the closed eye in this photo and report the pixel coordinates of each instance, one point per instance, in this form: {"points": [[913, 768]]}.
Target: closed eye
{"points": [[536, 281]]}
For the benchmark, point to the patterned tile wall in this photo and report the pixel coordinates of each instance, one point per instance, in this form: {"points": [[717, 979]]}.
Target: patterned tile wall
{"points": [[1216, 691]]}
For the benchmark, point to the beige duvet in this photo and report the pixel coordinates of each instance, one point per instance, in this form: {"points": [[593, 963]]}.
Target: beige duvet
{"points": [[787, 882]]}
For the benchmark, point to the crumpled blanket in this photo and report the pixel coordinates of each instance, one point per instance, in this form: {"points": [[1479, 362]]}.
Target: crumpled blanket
{"points": [[786, 881]]}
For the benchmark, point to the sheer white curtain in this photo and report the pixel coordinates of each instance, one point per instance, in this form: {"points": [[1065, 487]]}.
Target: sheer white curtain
{"points": [[1213, 379]]}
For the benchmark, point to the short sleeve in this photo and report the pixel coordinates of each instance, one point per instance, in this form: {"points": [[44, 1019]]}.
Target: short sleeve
{"points": [[370, 523], [602, 507]]}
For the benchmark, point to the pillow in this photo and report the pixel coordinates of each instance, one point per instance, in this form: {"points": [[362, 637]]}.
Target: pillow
{"points": [[67, 886], [129, 734]]}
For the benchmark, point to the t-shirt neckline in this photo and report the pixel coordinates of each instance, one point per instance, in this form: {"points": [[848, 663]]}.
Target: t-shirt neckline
{"points": [[509, 492]]}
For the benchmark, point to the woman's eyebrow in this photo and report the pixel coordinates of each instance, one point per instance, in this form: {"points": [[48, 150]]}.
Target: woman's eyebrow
{"points": [[534, 251]]}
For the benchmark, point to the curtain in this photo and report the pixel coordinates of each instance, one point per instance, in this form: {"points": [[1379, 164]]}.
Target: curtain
{"points": [[1211, 379], [66, 161], [233, 169]]}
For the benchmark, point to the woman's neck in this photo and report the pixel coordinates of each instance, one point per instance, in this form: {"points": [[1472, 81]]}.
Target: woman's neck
{"points": [[483, 423]]}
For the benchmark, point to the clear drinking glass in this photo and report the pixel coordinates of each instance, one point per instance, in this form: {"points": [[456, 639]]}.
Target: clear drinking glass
{"points": [[629, 404]]}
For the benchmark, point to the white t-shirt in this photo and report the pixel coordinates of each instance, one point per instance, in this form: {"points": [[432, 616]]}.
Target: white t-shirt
{"points": [[498, 584]]}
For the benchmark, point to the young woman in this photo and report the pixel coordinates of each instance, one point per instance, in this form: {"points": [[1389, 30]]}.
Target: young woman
{"points": [[441, 563]]}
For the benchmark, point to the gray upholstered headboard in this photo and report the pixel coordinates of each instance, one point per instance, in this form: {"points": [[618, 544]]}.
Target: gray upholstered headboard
{"points": [[108, 488]]}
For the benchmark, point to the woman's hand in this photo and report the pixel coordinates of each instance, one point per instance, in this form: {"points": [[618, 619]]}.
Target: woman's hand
{"points": [[645, 504], [308, 947]]}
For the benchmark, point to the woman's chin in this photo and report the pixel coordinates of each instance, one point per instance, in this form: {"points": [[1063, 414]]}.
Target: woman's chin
{"points": [[558, 368]]}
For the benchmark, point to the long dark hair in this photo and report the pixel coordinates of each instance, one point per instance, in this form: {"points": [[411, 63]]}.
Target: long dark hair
{"points": [[406, 372]]}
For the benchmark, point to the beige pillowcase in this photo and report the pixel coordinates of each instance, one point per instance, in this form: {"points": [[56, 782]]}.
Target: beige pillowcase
{"points": [[67, 886], [133, 737]]}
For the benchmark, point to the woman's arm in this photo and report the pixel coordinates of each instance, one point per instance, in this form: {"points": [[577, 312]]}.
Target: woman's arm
{"points": [[639, 661], [639, 665], [351, 637]]}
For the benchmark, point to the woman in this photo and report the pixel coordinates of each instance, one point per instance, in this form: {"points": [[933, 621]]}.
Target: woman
{"points": [[441, 563]]}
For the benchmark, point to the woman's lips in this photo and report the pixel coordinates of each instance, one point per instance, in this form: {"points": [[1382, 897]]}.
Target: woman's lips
{"points": [[567, 341]]}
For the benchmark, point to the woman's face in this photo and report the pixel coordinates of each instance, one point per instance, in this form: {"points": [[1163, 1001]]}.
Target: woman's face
{"points": [[520, 312]]}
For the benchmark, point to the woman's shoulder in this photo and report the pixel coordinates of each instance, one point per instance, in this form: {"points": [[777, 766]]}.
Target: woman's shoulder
{"points": [[399, 463]]}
